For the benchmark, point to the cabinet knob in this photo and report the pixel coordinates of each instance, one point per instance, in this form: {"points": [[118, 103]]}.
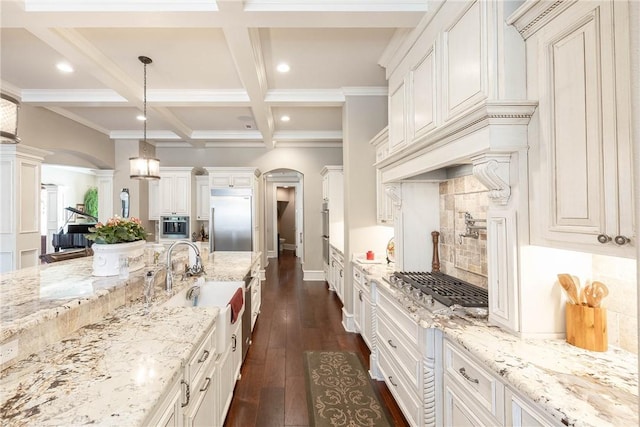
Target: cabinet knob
{"points": [[603, 238], [621, 240]]}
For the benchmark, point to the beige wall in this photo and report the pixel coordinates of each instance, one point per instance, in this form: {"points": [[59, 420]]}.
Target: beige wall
{"points": [[71, 143]]}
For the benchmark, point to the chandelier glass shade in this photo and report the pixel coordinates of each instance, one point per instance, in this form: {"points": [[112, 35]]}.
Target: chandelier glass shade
{"points": [[144, 167], [9, 119]]}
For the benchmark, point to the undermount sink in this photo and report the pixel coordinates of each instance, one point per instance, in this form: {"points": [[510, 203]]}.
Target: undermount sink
{"points": [[213, 294]]}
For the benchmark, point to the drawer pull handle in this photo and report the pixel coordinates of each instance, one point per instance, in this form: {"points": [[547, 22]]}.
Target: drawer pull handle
{"points": [[466, 376], [391, 381], [188, 394], [391, 344], [360, 295], [235, 342], [206, 385], [204, 356]]}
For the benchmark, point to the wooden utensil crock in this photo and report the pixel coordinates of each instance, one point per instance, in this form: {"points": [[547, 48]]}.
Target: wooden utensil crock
{"points": [[587, 327]]}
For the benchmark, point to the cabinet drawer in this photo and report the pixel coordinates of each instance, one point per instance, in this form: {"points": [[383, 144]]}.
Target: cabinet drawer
{"points": [[403, 325], [358, 275], [482, 387], [406, 357], [201, 357], [406, 399]]}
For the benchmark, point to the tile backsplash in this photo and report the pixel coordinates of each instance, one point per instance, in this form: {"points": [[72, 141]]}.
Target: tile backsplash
{"points": [[466, 257]]}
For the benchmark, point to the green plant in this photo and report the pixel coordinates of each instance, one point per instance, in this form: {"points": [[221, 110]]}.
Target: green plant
{"points": [[91, 201], [117, 230]]}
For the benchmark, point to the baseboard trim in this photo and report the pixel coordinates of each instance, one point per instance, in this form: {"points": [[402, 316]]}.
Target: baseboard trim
{"points": [[289, 246], [347, 321], [313, 275], [272, 254]]}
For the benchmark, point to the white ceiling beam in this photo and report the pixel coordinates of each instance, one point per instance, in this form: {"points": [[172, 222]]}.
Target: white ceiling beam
{"points": [[293, 135], [304, 97], [119, 6], [139, 134], [74, 97], [227, 135], [336, 5], [244, 45]]}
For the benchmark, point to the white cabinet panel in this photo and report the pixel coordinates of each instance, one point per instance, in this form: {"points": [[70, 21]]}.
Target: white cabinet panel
{"points": [[423, 95], [175, 192], [397, 116], [154, 200], [203, 198], [465, 60]]}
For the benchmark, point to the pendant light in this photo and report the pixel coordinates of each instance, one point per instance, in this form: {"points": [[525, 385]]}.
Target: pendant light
{"points": [[144, 167], [9, 119]]}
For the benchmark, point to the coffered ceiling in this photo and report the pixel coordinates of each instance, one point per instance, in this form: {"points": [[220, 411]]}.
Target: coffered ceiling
{"points": [[213, 80]]}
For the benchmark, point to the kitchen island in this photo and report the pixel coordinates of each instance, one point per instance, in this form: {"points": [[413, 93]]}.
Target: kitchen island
{"points": [[114, 369], [569, 385]]}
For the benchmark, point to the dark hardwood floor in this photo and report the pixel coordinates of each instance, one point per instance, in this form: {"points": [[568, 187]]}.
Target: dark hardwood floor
{"points": [[296, 316]]}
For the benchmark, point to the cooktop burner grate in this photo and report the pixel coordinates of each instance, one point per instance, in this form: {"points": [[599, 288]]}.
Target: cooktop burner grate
{"points": [[446, 289]]}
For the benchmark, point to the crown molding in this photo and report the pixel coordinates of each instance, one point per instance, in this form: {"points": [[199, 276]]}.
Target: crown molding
{"points": [[73, 96], [305, 97], [138, 134], [227, 135], [336, 5]]}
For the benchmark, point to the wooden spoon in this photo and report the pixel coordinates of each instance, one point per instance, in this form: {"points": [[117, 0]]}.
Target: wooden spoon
{"points": [[567, 283], [598, 290]]}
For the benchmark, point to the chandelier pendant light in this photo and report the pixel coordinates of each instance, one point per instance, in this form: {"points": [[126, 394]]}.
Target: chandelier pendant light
{"points": [[144, 167], [9, 119]]}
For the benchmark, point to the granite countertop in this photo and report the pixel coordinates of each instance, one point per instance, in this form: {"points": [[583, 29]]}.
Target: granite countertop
{"points": [[576, 387], [89, 339]]}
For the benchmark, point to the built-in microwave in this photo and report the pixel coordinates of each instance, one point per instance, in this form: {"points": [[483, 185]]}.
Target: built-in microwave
{"points": [[174, 227]]}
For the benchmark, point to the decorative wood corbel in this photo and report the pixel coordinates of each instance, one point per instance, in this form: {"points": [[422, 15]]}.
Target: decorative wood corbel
{"points": [[492, 170]]}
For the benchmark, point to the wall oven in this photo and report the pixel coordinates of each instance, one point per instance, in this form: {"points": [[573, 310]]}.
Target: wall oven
{"points": [[174, 227]]}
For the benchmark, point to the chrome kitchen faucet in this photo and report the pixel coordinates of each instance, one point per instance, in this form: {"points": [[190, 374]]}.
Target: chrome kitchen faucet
{"points": [[196, 270]]}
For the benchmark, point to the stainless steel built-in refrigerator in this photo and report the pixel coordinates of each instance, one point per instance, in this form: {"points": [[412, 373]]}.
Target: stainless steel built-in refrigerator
{"points": [[230, 224]]}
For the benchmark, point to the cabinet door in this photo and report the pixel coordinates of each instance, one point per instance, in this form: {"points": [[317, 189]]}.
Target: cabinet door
{"points": [[154, 200], [182, 194], [357, 304], [203, 198], [456, 413], [580, 139], [242, 181], [202, 413], [169, 413], [423, 95], [225, 386], [383, 202], [366, 319], [166, 193], [397, 118]]}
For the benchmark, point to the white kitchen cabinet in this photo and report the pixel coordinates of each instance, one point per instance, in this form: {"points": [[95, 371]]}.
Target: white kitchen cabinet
{"points": [[467, 381], [397, 118], [384, 204], [256, 293], [154, 200], [169, 412], [203, 198], [336, 272], [204, 400], [231, 179], [358, 290], [521, 412], [175, 191], [333, 195], [578, 68], [228, 365]]}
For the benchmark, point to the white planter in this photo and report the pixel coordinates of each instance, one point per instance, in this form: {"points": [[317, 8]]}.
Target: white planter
{"points": [[106, 258]]}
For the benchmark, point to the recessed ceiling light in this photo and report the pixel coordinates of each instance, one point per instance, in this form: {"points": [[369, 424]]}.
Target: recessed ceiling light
{"points": [[141, 117], [283, 67], [64, 67], [285, 118]]}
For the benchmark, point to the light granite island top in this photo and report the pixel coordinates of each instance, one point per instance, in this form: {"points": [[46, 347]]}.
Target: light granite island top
{"points": [[575, 387], [98, 356]]}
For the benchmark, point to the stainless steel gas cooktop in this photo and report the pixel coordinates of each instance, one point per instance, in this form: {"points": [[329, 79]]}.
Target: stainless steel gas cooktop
{"points": [[446, 290]]}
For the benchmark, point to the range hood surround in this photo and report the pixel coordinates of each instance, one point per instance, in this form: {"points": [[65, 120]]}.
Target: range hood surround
{"points": [[493, 137], [493, 128]]}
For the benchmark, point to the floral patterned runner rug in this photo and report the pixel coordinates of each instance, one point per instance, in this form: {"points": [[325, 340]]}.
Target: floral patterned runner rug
{"points": [[339, 392]]}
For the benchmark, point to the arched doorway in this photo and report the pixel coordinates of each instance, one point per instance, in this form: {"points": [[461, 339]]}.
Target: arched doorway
{"points": [[284, 212]]}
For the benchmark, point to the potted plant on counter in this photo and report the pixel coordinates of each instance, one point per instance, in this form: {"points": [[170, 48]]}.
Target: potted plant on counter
{"points": [[118, 239]]}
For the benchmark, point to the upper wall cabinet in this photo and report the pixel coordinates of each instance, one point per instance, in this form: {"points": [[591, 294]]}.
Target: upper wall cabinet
{"points": [[465, 63], [175, 191], [578, 68], [463, 56], [203, 198]]}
